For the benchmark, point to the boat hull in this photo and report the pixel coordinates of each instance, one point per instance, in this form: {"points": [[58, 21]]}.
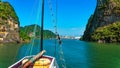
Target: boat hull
{"points": [[53, 63]]}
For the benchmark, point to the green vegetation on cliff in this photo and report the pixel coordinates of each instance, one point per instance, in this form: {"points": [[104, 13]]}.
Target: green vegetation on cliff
{"points": [[49, 34], [10, 30], [27, 32], [109, 33], [106, 14], [7, 11], [24, 36], [9, 23]]}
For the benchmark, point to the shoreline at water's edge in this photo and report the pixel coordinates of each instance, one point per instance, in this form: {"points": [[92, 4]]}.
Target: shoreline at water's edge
{"points": [[16, 42], [100, 42], [20, 42]]}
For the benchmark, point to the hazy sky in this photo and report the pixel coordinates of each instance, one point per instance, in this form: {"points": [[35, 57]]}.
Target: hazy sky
{"points": [[72, 14]]}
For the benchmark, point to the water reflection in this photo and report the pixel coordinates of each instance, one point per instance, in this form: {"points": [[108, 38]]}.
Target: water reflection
{"points": [[75, 53], [8, 53], [29, 49], [79, 54], [1, 45], [104, 55]]}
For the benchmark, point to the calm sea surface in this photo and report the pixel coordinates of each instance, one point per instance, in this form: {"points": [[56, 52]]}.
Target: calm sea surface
{"points": [[77, 54]]}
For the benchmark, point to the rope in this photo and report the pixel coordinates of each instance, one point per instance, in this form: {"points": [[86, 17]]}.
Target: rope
{"points": [[54, 20], [25, 30], [31, 49], [38, 16], [62, 60], [61, 56], [56, 28], [28, 51]]}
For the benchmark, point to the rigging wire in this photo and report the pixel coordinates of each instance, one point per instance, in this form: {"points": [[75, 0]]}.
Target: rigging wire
{"points": [[55, 19], [61, 54], [62, 60], [33, 40], [34, 35], [56, 28], [28, 48]]}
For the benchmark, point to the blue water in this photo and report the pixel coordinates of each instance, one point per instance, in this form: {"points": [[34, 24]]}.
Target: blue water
{"points": [[78, 54]]}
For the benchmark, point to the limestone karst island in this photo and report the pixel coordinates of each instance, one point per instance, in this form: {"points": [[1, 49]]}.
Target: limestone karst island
{"points": [[10, 30], [9, 23], [104, 24], [59, 33]]}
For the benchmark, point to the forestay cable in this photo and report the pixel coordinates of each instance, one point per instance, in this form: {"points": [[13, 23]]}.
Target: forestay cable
{"points": [[61, 55], [28, 48], [38, 16], [54, 20]]}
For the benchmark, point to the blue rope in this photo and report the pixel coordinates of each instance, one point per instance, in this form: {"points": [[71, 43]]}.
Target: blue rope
{"points": [[33, 40], [38, 16], [31, 47]]}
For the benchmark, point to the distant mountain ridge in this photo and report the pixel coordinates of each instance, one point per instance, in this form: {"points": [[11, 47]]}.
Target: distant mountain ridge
{"points": [[29, 31], [107, 12]]}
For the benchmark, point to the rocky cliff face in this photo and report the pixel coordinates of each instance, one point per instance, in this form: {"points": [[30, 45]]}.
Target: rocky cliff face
{"points": [[9, 24], [106, 12]]}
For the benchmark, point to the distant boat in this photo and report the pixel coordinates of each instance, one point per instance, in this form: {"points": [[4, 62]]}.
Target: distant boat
{"points": [[39, 60]]}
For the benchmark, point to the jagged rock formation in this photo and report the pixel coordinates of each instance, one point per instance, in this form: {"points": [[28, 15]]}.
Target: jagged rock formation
{"points": [[9, 24], [106, 12]]}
